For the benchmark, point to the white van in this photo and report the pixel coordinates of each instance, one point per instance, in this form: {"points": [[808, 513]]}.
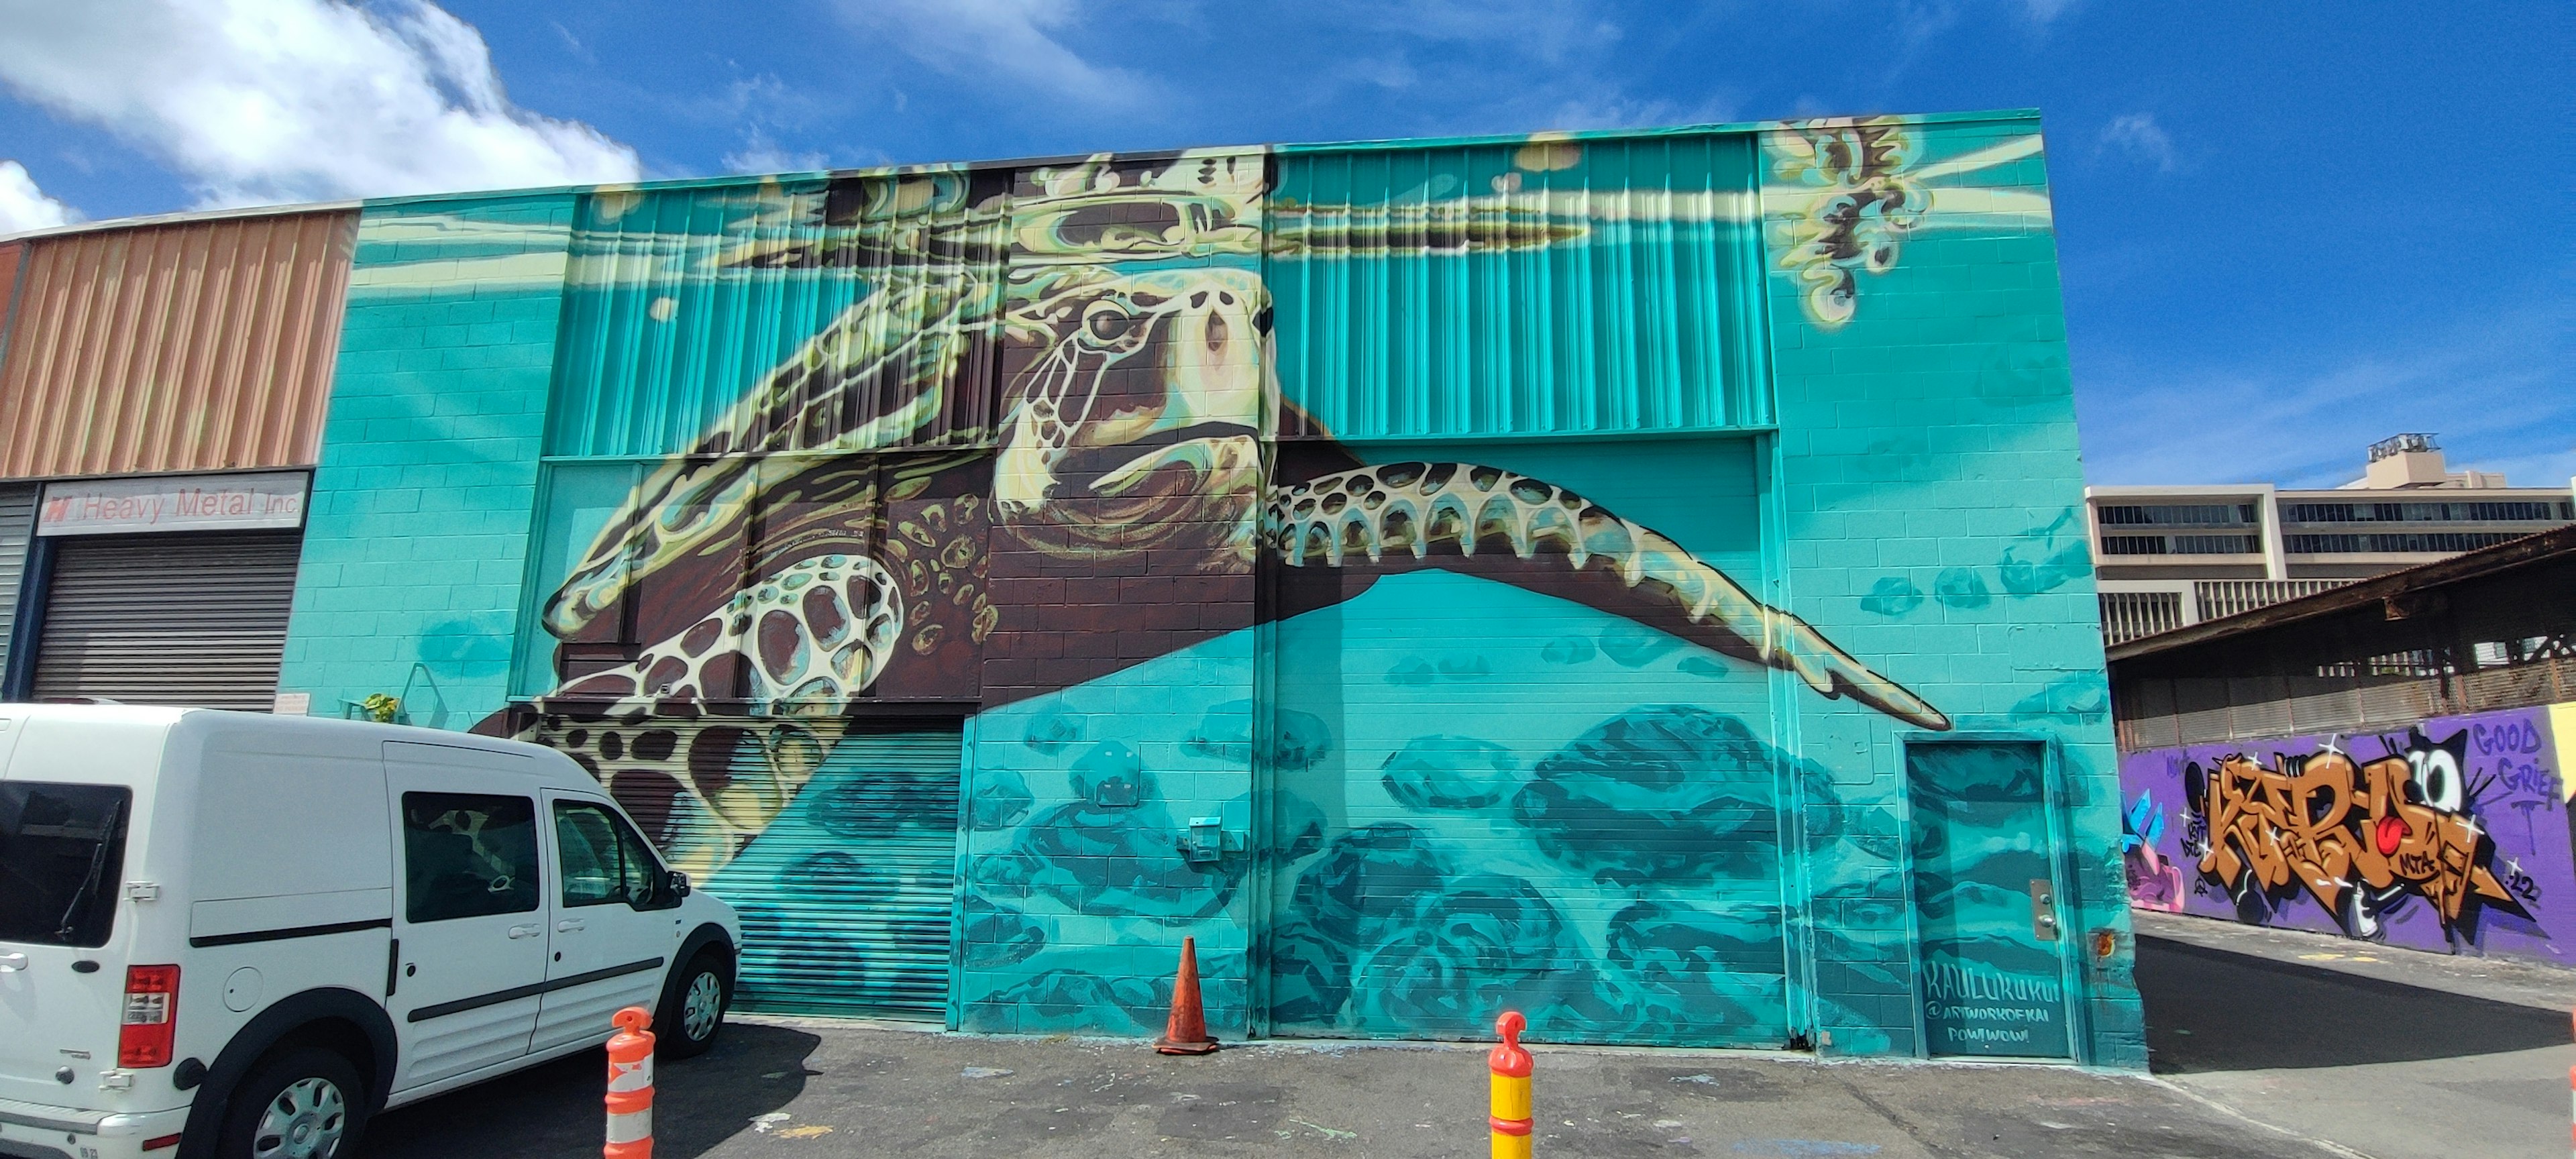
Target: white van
{"points": [[227, 935]]}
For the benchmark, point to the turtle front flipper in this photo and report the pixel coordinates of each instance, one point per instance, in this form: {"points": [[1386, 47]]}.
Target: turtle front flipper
{"points": [[1402, 515], [777, 666]]}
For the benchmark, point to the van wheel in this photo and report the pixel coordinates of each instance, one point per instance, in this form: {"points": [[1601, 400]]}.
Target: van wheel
{"points": [[307, 1103], [693, 1006]]}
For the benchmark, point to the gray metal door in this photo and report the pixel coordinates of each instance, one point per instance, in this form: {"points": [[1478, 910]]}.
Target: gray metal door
{"points": [[17, 517], [196, 619], [848, 897]]}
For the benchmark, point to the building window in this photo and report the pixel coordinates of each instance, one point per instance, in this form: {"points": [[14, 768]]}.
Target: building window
{"points": [[2217, 545], [2182, 545], [2397, 542], [2180, 515], [2536, 511]]}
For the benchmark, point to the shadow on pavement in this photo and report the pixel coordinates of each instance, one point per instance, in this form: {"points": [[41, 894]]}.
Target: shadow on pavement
{"points": [[2211, 1010], [556, 1109]]}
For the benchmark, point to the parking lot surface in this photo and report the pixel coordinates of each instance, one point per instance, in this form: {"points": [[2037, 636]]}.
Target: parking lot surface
{"points": [[813, 1088]]}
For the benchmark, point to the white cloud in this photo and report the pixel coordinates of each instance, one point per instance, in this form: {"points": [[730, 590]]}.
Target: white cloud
{"points": [[254, 101], [2138, 135], [760, 154], [1000, 40], [2489, 381], [24, 207]]}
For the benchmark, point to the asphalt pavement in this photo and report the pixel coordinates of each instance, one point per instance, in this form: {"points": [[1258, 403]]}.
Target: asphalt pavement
{"points": [[786, 1088], [2390, 1053], [2265, 1043]]}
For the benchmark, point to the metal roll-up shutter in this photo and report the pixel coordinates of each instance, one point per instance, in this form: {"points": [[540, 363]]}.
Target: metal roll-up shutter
{"points": [[848, 898], [17, 518], [195, 619]]}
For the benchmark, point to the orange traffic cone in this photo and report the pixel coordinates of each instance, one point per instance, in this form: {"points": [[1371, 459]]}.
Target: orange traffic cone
{"points": [[1186, 1032]]}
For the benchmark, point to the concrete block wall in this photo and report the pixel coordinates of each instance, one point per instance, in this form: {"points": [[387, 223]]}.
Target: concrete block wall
{"points": [[416, 547], [1930, 499]]}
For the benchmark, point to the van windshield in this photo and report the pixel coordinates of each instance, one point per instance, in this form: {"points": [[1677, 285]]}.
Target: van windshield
{"points": [[62, 852]]}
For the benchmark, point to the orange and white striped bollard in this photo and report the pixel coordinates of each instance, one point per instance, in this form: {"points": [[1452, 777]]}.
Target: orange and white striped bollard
{"points": [[630, 1087], [1510, 1118]]}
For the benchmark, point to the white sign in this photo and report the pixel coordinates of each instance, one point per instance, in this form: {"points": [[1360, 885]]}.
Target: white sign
{"points": [[173, 503], [294, 704]]}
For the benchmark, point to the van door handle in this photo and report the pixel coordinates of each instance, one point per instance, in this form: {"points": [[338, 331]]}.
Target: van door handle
{"points": [[12, 963], [570, 925], [527, 931]]}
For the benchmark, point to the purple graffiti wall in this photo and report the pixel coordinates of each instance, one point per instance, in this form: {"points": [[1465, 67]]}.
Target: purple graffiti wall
{"points": [[2450, 835]]}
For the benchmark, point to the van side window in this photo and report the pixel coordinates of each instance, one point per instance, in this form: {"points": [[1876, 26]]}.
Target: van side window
{"points": [[603, 859], [468, 855]]}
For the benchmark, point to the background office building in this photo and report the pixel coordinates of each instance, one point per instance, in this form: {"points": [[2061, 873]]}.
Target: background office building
{"points": [[2171, 556], [1636, 578]]}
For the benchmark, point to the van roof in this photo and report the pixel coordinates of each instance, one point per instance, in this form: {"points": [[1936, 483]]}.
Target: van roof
{"points": [[162, 717]]}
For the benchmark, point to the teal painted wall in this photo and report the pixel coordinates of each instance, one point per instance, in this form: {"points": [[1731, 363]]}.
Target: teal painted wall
{"points": [[1462, 575], [1930, 510], [416, 548]]}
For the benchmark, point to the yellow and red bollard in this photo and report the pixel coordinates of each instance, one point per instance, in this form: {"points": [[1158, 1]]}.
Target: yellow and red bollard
{"points": [[1510, 1117], [630, 1087]]}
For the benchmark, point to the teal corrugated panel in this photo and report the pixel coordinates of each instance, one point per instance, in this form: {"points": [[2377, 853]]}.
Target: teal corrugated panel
{"points": [[780, 316], [848, 898], [1545, 287]]}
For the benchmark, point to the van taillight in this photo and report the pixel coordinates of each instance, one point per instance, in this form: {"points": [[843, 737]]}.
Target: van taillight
{"points": [[151, 1016]]}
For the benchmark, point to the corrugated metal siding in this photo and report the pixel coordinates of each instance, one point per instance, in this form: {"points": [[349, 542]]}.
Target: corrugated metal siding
{"points": [[17, 520], [12, 256], [848, 898], [1550, 287], [196, 620], [188, 347], [685, 300]]}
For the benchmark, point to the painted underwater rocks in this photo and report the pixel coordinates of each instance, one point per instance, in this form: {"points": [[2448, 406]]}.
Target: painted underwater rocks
{"points": [[1664, 794], [1695, 966], [1113, 862], [999, 936], [1442, 772], [1466, 954], [1344, 891], [1058, 1001], [1298, 741]]}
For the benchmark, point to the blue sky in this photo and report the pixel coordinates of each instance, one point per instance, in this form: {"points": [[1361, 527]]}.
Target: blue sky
{"points": [[2286, 229]]}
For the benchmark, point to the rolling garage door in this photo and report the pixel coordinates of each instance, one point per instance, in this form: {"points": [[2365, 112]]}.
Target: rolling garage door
{"points": [[17, 518], [848, 898], [196, 619]]}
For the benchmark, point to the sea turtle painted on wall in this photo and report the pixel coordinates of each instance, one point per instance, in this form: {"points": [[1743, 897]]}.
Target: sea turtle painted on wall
{"points": [[840, 524]]}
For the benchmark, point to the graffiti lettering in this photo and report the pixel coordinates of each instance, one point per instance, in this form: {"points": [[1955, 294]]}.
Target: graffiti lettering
{"points": [[2359, 837], [1990, 1013], [2526, 777], [1951, 982], [2512, 736]]}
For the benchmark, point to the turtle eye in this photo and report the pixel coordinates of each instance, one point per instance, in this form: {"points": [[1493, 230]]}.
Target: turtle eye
{"points": [[1108, 323]]}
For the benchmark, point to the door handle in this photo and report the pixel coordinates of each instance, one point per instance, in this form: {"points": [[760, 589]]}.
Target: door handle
{"points": [[570, 925], [12, 963], [530, 930], [2043, 910]]}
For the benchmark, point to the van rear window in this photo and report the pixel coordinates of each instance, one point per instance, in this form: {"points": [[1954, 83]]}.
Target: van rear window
{"points": [[62, 853]]}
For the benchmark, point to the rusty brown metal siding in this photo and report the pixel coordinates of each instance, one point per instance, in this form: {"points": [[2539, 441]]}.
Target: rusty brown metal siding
{"points": [[195, 346], [10, 255]]}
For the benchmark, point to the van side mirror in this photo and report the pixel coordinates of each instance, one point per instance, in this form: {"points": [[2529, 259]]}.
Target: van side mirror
{"points": [[679, 883]]}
